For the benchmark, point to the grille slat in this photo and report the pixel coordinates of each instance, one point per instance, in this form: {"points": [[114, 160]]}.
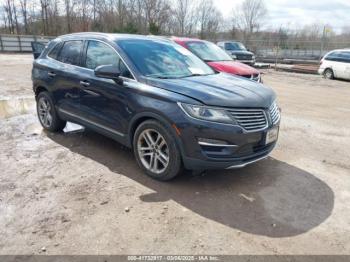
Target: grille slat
{"points": [[274, 113], [255, 119], [250, 119], [255, 123]]}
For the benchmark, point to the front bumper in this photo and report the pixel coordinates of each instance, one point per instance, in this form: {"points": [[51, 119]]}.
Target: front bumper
{"points": [[248, 62], [238, 148], [199, 164]]}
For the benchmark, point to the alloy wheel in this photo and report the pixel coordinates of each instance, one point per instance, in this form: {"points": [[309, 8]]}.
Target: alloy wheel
{"points": [[153, 151], [328, 74], [44, 111]]}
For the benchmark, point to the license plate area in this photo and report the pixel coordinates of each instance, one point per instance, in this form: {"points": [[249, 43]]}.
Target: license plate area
{"points": [[271, 135]]}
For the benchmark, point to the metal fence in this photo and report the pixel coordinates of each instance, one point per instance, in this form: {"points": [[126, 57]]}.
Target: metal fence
{"points": [[20, 43], [293, 49], [265, 49]]}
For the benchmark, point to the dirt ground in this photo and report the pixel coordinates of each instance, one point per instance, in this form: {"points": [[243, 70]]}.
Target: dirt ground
{"points": [[81, 193]]}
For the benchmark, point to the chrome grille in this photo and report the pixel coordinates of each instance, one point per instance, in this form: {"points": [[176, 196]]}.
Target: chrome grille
{"points": [[274, 113], [250, 119]]}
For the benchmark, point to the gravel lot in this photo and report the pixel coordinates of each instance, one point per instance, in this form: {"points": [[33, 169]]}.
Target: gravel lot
{"points": [[81, 193]]}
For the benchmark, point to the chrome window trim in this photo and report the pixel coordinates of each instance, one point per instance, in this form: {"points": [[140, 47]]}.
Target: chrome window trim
{"points": [[91, 122], [123, 77]]}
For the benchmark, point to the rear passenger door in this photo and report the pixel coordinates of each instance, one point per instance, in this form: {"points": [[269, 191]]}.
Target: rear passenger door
{"points": [[103, 102], [346, 60], [66, 75], [337, 64]]}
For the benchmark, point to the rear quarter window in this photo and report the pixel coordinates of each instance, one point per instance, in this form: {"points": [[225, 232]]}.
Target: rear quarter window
{"points": [[70, 52], [345, 57], [55, 51], [339, 56]]}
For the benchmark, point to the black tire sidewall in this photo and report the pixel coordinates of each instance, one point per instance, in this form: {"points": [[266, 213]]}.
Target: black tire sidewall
{"points": [[328, 70], [175, 163], [57, 124]]}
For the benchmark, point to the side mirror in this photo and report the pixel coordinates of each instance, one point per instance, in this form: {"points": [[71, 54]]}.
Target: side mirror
{"points": [[107, 71]]}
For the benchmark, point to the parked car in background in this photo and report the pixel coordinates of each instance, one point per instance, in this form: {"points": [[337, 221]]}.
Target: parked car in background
{"points": [[217, 59], [238, 51], [155, 97], [336, 64]]}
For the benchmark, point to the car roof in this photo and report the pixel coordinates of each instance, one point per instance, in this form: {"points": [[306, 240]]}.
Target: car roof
{"points": [[109, 36], [186, 39], [229, 41]]}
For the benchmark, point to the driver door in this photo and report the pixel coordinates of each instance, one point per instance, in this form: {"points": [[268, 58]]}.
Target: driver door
{"points": [[103, 102]]}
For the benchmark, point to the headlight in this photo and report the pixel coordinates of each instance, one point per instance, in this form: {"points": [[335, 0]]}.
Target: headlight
{"points": [[207, 113], [253, 57], [233, 56]]}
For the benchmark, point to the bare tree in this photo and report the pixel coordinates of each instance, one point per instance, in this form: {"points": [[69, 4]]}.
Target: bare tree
{"points": [[157, 13], [24, 11], [209, 19], [250, 16], [68, 6], [184, 16]]}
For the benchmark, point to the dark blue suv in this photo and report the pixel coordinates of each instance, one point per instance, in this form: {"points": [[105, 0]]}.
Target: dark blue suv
{"points": [[157, 98]]}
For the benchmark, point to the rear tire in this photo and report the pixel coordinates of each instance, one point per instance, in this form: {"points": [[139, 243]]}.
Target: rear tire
{"points": [[328, 73], [47, 113], [156, 151]]}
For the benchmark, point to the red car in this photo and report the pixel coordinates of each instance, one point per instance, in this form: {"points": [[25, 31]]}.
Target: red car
{"points": [[217, 59]]}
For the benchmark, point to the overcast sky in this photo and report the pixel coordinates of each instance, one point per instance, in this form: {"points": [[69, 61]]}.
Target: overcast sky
{"points": [[299, 12]]}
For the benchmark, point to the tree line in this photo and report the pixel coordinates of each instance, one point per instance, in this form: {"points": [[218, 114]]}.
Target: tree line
{"points": [[195, 18], [170, 17]]}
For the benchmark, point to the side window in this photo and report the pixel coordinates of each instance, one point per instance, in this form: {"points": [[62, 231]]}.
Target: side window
{"points": [[345, 57], [334, 56], [70, 52], [98, 54], [54, 51]]}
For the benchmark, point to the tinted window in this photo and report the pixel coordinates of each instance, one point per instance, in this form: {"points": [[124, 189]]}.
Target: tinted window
{"points": [[339, 56], [54, 51], [208, 51], [235, 46], [70, 52], [345, 57], [332, 56], [163, 59], [98, 54]]}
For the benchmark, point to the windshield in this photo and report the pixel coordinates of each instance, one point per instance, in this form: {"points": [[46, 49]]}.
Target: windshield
{"points": [[208, 51], [156, 58], [235, 46]]}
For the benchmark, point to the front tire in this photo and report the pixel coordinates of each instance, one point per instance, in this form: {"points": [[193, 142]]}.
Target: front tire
{"points": [[328, 73], [156, 151], [47, 113]]}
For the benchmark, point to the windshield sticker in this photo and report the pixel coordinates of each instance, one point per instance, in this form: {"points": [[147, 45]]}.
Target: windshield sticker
{"points": [[196, 71]]}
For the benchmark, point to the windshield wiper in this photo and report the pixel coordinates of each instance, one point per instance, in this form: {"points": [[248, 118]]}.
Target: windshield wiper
{"points": [[197, 75], [159, 76]]}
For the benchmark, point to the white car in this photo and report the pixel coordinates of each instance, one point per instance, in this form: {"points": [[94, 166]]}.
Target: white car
{"points": [[336, 64]]}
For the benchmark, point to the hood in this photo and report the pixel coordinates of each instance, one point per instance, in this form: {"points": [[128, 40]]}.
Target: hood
{"points": [[240, 52], [222, 90], [233, 67]]}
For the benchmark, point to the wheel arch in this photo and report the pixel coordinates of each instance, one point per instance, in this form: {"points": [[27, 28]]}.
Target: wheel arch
{"points": [[329, 68], [140, 118], [39, 89]]}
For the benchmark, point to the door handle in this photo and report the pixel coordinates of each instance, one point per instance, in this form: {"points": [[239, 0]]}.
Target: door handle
{"points": [[51, 74], [84, 83]]}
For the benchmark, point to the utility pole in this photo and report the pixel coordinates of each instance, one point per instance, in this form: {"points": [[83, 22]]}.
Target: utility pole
{"points": [[322, 41]]}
